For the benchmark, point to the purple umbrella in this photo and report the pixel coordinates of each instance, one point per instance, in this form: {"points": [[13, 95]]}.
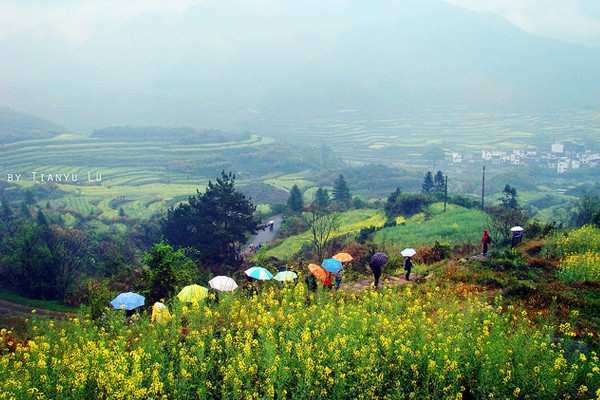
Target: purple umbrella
{"points": [[379, 259]]}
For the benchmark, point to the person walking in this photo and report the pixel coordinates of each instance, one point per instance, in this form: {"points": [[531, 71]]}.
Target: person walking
{"points": [[338, 279], [485, 240], [408, 267], [376, 268]]}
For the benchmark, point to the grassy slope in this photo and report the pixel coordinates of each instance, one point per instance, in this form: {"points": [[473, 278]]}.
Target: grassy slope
{"points": [[457, 224]]}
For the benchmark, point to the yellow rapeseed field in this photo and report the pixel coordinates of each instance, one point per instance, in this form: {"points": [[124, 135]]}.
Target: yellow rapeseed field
{"points": [[414, 342]]}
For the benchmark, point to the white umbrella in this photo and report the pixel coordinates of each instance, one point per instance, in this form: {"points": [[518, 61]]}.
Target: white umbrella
{"points": [[517, 229], [223, 283], [285, 276], [408, 252]]}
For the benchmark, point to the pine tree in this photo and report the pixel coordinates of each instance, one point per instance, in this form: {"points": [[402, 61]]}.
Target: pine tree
{"points": [[321, 201], [214, 222], [428, 184], [341, 192], [391, 206], [295, 201], [439, 182]]}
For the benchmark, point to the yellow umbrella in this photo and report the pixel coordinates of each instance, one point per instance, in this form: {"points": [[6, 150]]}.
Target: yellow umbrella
{"points": [[343, 257], [160, 313], [193, 293]]}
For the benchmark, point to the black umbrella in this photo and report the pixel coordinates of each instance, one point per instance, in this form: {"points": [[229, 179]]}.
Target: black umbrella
{"points": [[379, 259]]}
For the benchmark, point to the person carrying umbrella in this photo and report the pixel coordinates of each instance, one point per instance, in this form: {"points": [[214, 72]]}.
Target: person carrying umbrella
{"points": [[377, 261], [407, 267]]}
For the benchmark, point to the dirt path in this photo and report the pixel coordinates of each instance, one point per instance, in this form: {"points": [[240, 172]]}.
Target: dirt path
{"points": [[10, 308], [388, 281]]}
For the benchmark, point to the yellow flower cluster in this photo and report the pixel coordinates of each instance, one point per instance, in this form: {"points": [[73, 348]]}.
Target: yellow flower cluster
{"points": [[413, 342], [580, 267]]}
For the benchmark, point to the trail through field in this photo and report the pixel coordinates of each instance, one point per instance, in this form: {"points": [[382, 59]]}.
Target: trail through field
{"points": [[10, 308], [388, 281]]}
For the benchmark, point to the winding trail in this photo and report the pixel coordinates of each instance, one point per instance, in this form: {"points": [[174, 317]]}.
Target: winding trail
{"points": [[10, 308]]}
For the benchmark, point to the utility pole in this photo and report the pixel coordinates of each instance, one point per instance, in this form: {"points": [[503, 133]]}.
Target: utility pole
{"points": [[483, 188], [445, 192]]}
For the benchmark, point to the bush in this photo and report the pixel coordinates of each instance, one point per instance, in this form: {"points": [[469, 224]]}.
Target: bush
{"points": [[436, 253], [578, 241], [506, 260]]}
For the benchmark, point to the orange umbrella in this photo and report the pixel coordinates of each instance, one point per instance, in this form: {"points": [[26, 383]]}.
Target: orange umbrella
{"points": [[318, 271], [343, 257]]}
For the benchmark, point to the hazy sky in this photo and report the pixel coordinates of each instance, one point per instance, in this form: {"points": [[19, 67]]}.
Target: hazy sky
{"points": [[569, 20]]}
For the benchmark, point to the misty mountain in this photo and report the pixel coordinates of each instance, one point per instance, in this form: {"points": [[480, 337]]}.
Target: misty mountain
{"points": [[225, 62], [16, 126]]}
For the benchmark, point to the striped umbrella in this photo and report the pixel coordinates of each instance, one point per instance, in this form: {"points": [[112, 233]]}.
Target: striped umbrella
{"points": [[259, 273]]}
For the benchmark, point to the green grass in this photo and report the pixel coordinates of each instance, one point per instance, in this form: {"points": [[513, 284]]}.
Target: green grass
{"points": [[456, 225], [350, 222], [52, 305]]}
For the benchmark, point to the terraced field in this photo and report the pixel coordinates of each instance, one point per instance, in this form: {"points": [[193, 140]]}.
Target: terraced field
{"points": [[369, 137]]}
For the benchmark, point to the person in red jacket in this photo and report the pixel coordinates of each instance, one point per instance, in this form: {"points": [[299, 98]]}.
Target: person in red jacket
{"points": [[485, 240]]}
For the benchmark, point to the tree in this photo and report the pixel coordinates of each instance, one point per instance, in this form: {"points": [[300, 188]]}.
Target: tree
{"points": [[341, 192], [585, 208], [168, 271], [439, 182], [214, 222], [30, 262], [69, 249], [320, 226], [428, 184], [295, 201], [321, 201], [391, 205], [509, 197], [505, 215]]}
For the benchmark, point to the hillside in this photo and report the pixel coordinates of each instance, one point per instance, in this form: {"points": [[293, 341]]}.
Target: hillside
{"points": [[513, 325], [16, 126]]}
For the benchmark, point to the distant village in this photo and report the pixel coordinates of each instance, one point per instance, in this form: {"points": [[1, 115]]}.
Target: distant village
{"points": [[562, 157]]}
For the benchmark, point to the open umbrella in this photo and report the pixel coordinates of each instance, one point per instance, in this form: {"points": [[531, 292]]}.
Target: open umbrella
{"points": [[285, 276], [223, 283], [160, 313], [408, 252], [127, 301], [192, 293], [517, 229], [379, 259], [317, 271], [259, 273], [343, 257], [331, 265]]}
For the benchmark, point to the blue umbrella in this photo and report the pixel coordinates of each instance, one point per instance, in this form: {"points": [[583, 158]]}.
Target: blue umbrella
{"points": [[332, 265], [259, 273], [127, 301]]}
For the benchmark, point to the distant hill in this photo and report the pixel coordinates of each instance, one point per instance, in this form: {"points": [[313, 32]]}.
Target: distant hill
{"points": [[16, 126], [226, 63]]}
